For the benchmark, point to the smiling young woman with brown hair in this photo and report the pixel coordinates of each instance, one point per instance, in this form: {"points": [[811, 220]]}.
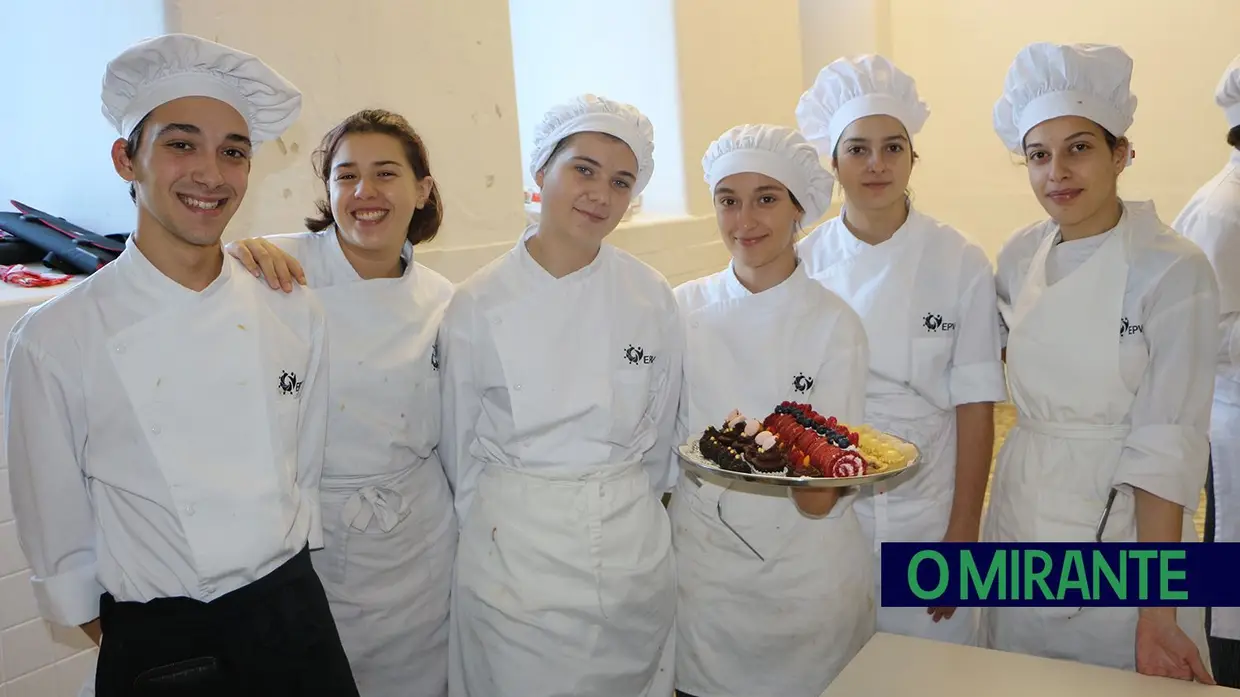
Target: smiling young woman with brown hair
{"points": [[389, 530]]}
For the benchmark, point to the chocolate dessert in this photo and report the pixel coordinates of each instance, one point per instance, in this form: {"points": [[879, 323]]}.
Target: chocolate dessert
{"points": [[765, 456]]}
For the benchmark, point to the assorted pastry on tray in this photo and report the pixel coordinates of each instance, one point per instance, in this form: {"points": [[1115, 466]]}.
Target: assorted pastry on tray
{"points": [[796, 441]]}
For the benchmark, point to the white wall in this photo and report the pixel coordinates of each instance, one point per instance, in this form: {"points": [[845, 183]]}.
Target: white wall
{"points": [[55, 144], [562, 48], [959, 52]]}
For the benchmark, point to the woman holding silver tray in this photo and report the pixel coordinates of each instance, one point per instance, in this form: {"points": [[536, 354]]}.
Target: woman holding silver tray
{"points": [[775, 585]]}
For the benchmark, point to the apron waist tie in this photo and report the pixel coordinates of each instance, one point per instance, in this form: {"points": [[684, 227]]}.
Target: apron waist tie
{"points": [[1074, 430], [576, 474], [372, 502], [371, 498]]}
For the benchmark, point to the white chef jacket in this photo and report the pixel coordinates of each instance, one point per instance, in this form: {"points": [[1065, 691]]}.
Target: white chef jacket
{"points": [[946, 314], [927, 298], [1212, 221], [1172, 293], [163, 442], [389, 531], [377, 431], [623, 409]]}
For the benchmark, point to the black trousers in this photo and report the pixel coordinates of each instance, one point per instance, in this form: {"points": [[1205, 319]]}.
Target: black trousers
{"points": [[275, 638], [1224, 653]]}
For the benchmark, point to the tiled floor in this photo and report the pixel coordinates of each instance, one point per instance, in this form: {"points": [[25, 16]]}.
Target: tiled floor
{"points": [[1005, 416]]}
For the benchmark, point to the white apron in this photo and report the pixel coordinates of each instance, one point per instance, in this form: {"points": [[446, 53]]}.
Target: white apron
{"points": [[1058, 463], [565, 582], [788, 623], [879, 283], [389, 536]]}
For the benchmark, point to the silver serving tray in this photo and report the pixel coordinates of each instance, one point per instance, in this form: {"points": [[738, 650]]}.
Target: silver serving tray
{"points": [[692, 455]]}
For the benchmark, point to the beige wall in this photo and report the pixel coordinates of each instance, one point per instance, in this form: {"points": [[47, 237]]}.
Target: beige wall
{"points": [[457, 88], [959, 52]]}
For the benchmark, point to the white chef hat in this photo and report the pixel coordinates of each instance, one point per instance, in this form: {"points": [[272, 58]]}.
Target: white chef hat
{"points": [[156, 71], [591, 113], [780, 153], [851, 88], [1228, 93], [1048, 80]]}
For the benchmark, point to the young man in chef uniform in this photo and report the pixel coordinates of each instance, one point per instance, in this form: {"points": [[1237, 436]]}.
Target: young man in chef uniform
{"points": [[1212, 221], [167, 415], [927, 295], [561, 374], [1111, 337]]}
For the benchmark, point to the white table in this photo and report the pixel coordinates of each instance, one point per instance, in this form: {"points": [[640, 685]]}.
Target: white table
{"points": [[15, 300], [895, 666]]}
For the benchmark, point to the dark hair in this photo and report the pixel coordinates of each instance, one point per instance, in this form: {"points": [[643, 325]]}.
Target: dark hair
{"points": [[131, 151], [1233, 137], [424, 224]]}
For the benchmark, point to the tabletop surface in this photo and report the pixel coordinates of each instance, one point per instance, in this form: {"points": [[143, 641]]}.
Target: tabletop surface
{"points": [[893, 666]]}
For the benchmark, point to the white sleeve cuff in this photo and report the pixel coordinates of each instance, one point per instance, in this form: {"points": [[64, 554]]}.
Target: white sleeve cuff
{"points": [[1166, 460], [978, 382], [70, 599]]}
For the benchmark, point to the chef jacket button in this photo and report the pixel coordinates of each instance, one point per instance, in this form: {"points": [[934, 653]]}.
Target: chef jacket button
{"points": [[156, 429], [120, 348], [189, 510], [517, 388], [497, 321], [695, 325]]}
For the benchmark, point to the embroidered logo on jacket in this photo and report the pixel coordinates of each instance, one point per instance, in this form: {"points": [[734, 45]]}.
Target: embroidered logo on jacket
{"points": [[1126, 329], [802, 383], [636, 355], [289, 384], [935, 323], [435, 356]]}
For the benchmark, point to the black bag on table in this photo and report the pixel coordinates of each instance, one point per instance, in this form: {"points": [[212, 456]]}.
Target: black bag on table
{"points": [[58, 243]]}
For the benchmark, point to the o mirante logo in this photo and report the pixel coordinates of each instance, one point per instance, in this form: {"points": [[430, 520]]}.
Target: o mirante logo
{"points": [[1060, 574]]}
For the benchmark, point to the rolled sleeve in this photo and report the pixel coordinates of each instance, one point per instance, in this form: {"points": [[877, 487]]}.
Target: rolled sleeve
{"points": [[70, 598], [977, 369], [1168, 461], [979, 382]]}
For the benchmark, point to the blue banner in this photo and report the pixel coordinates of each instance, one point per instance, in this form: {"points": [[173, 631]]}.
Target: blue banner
{"points": [[916, 574]]}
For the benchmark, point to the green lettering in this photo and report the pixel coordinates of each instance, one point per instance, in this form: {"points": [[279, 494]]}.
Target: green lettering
{"points": [[944, 576], [1038, 577], [969, 577], [1118, 584], [1166, 575], [1073, 563], [1143, 557], [1014, 591]]}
